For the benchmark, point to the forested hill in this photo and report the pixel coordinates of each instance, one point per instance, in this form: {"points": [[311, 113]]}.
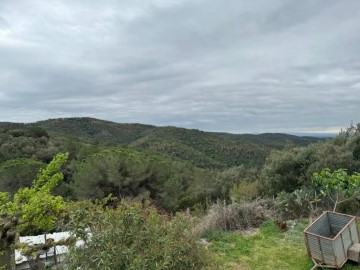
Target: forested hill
{"points": [[208, 149], [203, 149]]}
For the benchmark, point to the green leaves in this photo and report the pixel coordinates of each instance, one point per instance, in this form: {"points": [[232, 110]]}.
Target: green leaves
{"points": [[133, 236], [18, 173], [299, 203], [4, 199], [37, 207], [132, 174], [338, 186]]}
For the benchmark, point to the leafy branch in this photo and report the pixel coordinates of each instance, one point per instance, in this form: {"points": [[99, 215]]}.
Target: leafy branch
{"points": [[338, 186]]}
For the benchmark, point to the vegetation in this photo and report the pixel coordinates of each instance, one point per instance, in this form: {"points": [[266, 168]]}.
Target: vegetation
{"points": [[293, 167], [203, 149], [36, 207], [18, 173], [131, 174], [338, 186], [157, 163], [228, 186], [268, 248], [235, 216], [134, 236], [32, 210]]}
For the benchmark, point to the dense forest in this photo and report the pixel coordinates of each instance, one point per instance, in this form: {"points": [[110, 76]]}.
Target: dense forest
{"points": [[174, 167], [161, 188]]}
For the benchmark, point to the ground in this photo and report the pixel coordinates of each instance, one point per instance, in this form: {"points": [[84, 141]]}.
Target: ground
{"points": [[267, 249]]}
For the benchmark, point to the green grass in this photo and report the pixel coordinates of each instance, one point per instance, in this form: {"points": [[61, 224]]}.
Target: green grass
{"points": [[269, 248]]}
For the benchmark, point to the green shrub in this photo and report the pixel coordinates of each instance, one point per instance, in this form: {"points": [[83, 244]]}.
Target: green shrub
{"points": [[245, 191], [133, 236], [301, 203]]}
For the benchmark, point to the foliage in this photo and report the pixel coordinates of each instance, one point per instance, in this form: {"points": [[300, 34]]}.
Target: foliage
{"points": [[4, 199], [96, 129], [178, 183], [351, 130], [338, 186], [17, 173], [245, 191], [215, 150], [36, 132], [37, 208], [121, 172], [15, 144], [286, 170], [133, 236], [202, 149], [301, 203], [228, 178], [293, 167], [132, 174]]}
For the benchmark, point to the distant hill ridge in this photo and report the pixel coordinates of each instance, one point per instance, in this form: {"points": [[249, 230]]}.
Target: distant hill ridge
{"points": [[203, 149]]}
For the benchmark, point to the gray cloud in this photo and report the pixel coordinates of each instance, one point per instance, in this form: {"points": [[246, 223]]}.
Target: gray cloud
{"points": [[239, 66]]}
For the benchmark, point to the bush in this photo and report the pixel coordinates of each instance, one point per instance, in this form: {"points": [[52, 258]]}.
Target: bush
{"points": [[235, 216], [292, 168], [133, 236], [301, 203], [286, 170], [245, 191]]}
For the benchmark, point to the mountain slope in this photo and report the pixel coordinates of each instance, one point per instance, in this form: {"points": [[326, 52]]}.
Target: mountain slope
{"points": [[96, 129], [203, 149], [208, 149]]}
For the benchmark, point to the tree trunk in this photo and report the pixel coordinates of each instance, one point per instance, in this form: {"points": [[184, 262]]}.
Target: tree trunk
{"points": [[7, 241], [7, 255]]}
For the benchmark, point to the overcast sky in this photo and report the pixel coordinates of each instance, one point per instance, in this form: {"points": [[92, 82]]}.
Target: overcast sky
{"points": [[236, 65]]}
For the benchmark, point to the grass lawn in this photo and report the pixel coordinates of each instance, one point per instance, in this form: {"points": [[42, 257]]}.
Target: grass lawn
{"points": [[269, 248]]}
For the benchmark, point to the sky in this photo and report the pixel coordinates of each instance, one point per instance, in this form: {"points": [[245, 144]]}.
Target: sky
{"points": [[239, 66]]}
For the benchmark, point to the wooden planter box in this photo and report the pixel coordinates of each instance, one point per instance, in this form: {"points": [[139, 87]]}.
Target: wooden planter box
{"points": [[329, 238]]}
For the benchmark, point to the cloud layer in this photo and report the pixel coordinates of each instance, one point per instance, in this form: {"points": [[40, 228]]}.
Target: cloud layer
{"points": [[236, 66]]}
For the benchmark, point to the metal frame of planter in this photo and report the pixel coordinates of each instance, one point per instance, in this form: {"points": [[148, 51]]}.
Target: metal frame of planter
{"points": [[332, 239]]}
